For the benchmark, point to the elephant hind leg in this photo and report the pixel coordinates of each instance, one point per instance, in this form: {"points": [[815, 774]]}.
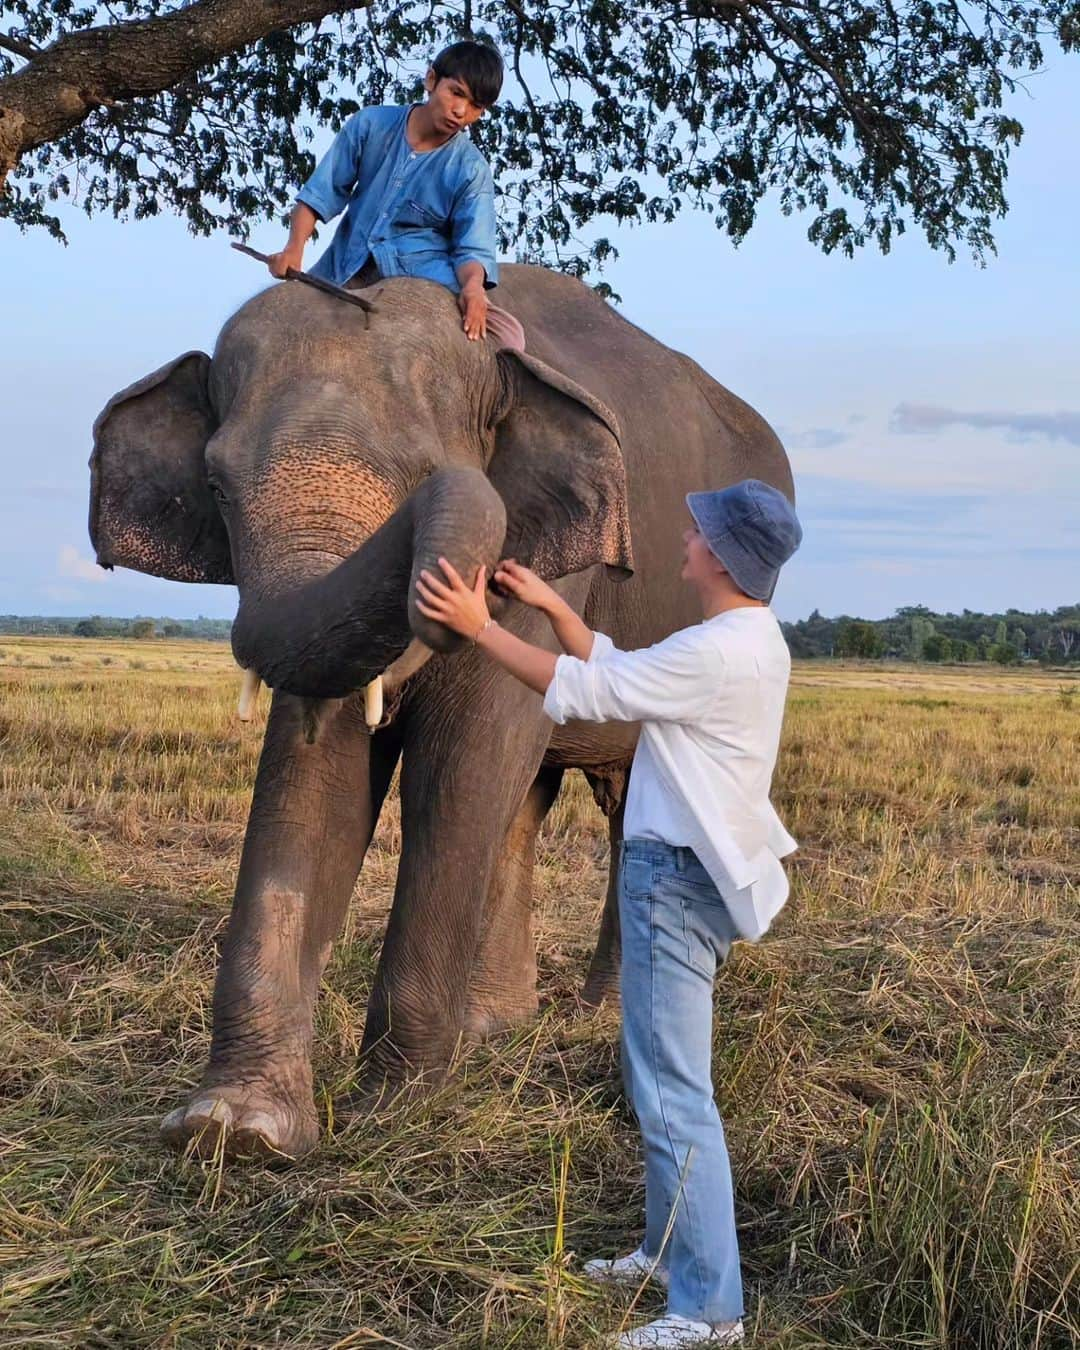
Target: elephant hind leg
{"points": [[502, 987], [602, 981]]}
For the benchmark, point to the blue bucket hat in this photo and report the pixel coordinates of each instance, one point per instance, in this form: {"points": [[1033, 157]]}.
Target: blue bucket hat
{"points": [[753, 530]]}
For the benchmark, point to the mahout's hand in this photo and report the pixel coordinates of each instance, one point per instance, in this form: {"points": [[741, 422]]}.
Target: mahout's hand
{"points": [[279, 263], [524, 585], [473, 304], [450, 602]]}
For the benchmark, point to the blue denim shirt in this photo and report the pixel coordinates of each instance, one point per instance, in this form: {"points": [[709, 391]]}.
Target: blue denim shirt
{"points": [[418, 214]]}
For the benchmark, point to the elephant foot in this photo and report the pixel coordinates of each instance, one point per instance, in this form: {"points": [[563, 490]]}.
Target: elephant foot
{"points": [[601, 986], [487, 1017], [252, 1119], [375, 1093]]}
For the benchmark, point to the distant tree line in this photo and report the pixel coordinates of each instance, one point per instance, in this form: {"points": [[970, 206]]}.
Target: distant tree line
{"points": [[916, 633], [102, 626], [913, 633]]}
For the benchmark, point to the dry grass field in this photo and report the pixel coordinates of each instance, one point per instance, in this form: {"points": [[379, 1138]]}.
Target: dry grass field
{"points": [[897, 1064]]}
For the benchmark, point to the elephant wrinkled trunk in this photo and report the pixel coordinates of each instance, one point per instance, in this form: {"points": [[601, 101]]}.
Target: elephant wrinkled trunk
{"points": [[336, 633]]}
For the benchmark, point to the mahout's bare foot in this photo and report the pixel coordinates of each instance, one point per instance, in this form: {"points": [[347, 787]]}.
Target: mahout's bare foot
{"points": [[251, 1118]]}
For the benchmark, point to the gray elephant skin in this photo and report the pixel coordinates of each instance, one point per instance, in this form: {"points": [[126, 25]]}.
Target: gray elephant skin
{"points": [[318, 461]]}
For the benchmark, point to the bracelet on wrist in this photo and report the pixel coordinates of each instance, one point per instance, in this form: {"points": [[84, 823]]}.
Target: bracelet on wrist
{"points": [[482, 630]]}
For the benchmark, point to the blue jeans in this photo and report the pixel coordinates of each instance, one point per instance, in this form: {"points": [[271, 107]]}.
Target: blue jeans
{"points": [[676, 930]]}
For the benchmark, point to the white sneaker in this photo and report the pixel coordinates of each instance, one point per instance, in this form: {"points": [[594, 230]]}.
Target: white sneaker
{"points": [[677, 1331], [630, 1269]]}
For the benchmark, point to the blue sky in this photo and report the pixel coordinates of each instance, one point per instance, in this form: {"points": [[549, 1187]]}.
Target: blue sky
{"points": [[931, 412]]}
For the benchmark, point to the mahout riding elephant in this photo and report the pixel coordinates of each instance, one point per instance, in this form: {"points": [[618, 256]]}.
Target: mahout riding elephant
{"points": [[319, 460]]}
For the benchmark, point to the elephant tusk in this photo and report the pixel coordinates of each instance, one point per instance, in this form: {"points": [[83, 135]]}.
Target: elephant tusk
{"points": [[415, 655], [373, 702], [249, 692]]}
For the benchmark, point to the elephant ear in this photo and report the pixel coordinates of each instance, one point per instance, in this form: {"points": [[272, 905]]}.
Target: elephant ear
{"points": [[151, 508], [558, 466]]}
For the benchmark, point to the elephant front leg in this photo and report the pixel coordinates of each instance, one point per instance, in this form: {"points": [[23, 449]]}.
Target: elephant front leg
{"points": [[319, 787], [468, 763], [502, 990]]}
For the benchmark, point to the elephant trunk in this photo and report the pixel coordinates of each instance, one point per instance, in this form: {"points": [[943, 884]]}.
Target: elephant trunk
{"points": [[336, 633]]}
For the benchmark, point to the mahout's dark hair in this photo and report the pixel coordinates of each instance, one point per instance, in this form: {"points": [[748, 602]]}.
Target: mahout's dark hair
{"points": [[475, 64]]}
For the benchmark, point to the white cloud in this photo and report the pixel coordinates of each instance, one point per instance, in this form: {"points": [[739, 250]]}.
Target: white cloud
{"points": [[70, 563], [816, 438], [958, 458], [923, 418]]}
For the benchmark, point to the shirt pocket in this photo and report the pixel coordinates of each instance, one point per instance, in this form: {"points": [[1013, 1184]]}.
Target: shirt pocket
{"points": [[416, 215]]}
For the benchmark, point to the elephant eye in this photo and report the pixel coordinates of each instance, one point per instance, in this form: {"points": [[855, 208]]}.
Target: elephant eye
{"points": [[220, 495]]}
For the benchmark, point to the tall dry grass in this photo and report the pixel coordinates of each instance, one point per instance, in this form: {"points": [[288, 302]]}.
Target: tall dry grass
{"points": [[897, 1064]]}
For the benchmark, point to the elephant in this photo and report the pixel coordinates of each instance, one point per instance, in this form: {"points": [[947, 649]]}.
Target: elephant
{"points": [[319, 460]]}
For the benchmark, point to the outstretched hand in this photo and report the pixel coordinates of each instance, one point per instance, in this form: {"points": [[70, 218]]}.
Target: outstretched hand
{"points": [[524, 585], [449, 601]]}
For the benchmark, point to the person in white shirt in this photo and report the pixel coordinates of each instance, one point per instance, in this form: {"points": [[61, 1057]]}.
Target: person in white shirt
{"points": [[700, 860]]}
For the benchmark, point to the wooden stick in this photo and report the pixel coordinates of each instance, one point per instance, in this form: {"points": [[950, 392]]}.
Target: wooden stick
{"points": [[328, 286]]}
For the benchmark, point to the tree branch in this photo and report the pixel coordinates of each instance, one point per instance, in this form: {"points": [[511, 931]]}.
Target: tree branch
{"points": [[84, 70], [26, 50], [563, 58], [852, 104]]}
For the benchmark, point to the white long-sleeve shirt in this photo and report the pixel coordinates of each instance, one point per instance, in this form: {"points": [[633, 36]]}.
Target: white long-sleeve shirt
{"points": [[710, 700]]}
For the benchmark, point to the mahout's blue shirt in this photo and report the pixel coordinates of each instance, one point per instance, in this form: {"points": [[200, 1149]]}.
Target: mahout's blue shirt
{"points": [[417, 213]]}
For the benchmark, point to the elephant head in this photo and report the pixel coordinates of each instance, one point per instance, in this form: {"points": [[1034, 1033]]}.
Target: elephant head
{"points": [[321, 459]]}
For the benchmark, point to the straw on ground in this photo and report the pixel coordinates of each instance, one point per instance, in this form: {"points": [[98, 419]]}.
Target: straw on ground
{"points": [[897, 1064]]}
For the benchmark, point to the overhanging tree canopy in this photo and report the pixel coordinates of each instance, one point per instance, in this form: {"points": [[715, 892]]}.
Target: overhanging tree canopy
{"points": [[872, 117]]}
